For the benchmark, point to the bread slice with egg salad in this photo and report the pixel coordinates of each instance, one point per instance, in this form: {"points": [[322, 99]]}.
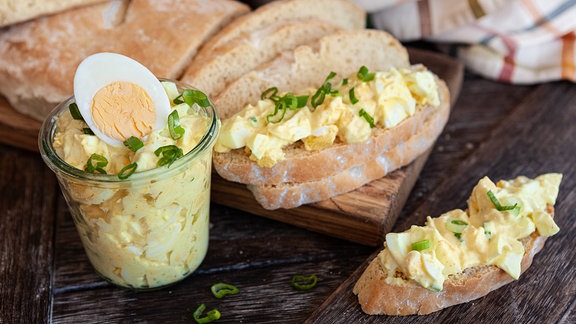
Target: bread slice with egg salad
{"points": [[364, 105], [463, 254], [413, 144]]}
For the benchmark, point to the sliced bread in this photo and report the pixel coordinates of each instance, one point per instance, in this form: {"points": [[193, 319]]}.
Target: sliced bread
{"points": [[344, 13], [212, 73], [308, 65]]}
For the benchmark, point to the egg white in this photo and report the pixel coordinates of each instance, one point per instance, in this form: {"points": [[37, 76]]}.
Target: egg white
{"points": [[98, 70]]}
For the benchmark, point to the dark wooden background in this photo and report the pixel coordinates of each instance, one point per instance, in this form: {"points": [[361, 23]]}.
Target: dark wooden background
{"points": [[495, 129]]}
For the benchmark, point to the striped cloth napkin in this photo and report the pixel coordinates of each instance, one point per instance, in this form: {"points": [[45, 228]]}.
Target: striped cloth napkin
{"points": [[516, 41]]}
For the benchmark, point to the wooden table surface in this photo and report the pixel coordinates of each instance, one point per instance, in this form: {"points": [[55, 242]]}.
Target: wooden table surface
{"points": [[495, 129]]}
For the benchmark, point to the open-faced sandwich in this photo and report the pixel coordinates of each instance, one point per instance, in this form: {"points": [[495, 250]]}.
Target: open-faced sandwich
{"points": [[462, 255], [328, 117]]}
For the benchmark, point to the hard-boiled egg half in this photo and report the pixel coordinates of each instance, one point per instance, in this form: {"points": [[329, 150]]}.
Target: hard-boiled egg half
{"points": [[118, 98]]}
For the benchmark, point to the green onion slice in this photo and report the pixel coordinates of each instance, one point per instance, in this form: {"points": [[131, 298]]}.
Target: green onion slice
{"points": [[270, 93], [514, 208], [221, 289], [133, 143], [353, 98], [287, 102], [456, 226], [302, 282], [168, 154], [87, 131], [326, 88], [364, 75], [75, 112], [96, 163], [362, 113], [127, 171], [176, 131], [420, 245], [191, 97], [210, 316]]}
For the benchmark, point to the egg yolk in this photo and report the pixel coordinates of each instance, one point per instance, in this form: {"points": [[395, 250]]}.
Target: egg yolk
{"points": [[123, 109]]}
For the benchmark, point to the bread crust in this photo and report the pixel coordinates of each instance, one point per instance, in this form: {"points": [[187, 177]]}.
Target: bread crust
{"points": [[377, 297], [290, 195], [15, 11]]}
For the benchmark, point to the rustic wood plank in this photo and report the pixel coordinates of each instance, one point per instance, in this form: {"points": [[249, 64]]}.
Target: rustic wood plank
{"points": [[256, 254], [545, 293], [27, 194]]}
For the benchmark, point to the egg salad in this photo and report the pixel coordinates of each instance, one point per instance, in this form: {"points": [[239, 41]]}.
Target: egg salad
{"points": [[344, 110], [488, 232], [141, 196]]}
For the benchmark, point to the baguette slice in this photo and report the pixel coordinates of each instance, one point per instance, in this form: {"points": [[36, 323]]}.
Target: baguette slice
{"points": [[308, 65], [344, 13], [212, 73], [290, 195], [377, 297]]}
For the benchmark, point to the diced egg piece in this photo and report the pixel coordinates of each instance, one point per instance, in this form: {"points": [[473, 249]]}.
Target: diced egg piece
{"points": [[118, 97]]}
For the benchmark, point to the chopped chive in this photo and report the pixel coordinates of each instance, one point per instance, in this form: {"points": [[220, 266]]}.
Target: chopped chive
{"points": [[96, 163], [75, 112], [420, 245], [364, 75], [353, 98], [168, 154], [127, 171], [514, 208], [301, 282], [176, 131], [362, 113], [209, 317], [221, 289], [87, 131], [133, 143]]}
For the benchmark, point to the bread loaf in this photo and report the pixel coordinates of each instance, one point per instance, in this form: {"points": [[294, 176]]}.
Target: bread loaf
{"points": [[15, 11], [38, 58]]}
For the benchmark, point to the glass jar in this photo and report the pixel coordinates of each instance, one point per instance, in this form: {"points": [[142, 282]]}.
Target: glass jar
{"points": [[147, 231]]}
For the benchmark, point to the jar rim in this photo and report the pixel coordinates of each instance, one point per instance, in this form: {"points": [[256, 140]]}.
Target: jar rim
{"points": [[57, 164]]}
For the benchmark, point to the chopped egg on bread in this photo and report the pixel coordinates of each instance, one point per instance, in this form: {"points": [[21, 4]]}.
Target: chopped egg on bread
{"points": [[488, 232], [346, 110]]}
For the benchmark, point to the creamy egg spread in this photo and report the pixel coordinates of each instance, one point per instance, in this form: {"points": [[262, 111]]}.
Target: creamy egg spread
{"points": [[346, 111], [487, 233], [146, 233]]}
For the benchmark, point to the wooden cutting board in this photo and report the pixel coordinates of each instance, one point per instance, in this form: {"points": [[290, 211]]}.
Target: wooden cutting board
{"points": [[361, 216]]}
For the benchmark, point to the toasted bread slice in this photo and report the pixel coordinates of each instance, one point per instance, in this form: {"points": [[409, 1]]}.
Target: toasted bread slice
{"points": [[212, 73], [376, 296], [290, 195], [308, 65], [344, 13]]}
